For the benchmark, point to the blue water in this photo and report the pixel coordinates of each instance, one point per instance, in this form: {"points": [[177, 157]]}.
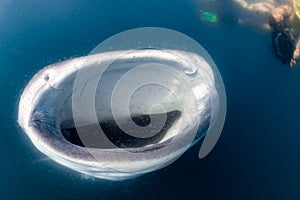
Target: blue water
{"points": [[258, 154]]}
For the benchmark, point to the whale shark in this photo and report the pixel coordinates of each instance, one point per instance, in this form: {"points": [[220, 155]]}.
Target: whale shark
{"points": [[120, 114]]}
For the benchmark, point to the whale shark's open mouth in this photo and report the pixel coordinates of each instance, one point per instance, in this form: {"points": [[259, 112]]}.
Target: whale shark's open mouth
{"points": [[119, 114], [120, 138]]}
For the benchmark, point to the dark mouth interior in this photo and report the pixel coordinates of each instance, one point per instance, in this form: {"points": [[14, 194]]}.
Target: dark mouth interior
{"points": [[118, 137]]}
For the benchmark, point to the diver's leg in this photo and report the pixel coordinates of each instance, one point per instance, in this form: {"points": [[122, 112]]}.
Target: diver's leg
{"points": [[262, 7]]}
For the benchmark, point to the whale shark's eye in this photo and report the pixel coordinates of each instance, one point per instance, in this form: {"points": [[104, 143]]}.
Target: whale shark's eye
{"points": [[120, 114]]}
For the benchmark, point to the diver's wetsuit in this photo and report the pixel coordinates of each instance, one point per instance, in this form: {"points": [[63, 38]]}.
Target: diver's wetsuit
{"points": [[283, 41]]}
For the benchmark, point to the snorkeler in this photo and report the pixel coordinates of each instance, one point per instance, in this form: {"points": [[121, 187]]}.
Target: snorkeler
{"points": [[285, 25]]}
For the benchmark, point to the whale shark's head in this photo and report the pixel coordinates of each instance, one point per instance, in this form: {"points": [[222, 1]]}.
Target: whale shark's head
{"points": [[120, 114]]}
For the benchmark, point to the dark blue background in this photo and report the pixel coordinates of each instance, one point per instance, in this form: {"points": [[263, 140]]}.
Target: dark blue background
{"points": [[257, 156]]}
